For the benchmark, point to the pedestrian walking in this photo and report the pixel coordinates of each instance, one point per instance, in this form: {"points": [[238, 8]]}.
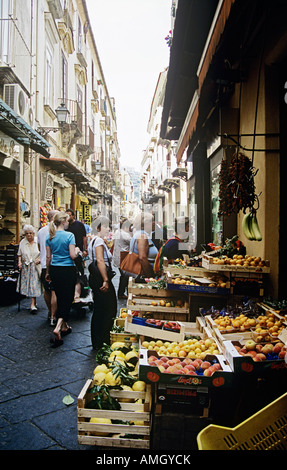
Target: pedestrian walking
{"points": [[142, 244], [29, 264], [122, 243], [104, 295], [78, 229], [61, 270], [49, 291]]}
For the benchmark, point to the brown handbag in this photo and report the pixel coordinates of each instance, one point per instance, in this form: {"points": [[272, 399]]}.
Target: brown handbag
{"points": [[130, 263]]}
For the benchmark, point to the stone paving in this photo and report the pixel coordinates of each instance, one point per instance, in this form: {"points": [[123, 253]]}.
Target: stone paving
{"points": [[34, 378]]}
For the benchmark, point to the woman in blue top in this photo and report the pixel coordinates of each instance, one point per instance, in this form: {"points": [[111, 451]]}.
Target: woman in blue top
{"points": [[142, 244], [61, 270]]}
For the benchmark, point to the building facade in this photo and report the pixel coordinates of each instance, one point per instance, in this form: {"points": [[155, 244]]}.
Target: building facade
{"points": [[49, 63], [225, 95]]}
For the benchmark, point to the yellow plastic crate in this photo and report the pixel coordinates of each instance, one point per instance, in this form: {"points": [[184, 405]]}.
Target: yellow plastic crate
{"points": [[265, 430]]}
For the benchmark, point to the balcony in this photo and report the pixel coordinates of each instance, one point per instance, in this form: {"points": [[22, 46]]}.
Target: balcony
{"points": [[56, 9], [85, 147], [73, 129]]}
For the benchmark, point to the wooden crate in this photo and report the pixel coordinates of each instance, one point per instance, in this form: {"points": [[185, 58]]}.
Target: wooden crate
{"points": [[146, 290], [152, 332], [143, 304], [129, 412], [208, 263]]}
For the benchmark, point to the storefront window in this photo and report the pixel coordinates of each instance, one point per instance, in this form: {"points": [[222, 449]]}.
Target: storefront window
{"points": [[216, 222]]}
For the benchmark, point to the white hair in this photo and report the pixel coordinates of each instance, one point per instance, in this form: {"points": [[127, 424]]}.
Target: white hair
{"points": [[28, 228]]}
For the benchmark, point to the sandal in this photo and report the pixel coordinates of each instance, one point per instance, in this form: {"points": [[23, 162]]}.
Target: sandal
{"points": [[56, 342], [67, 331]]}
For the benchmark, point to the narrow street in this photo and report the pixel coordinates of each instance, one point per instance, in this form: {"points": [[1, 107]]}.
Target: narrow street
{"points": [[35, 378]]}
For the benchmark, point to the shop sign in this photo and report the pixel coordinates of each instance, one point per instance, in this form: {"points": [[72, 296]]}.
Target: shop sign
{"points": [[87, 214], [9, 147]]}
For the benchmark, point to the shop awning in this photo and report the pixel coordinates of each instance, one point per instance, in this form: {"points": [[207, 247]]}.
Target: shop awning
{"points": [[68, 168], [80, 199], [192, 25], [15, 127]]}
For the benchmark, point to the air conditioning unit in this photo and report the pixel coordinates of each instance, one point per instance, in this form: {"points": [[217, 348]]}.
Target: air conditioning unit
{"points": [[17, 99]]}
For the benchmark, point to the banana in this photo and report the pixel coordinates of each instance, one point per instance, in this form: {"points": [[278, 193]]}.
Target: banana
{"points": [[255, 228], [250, 226], [246, 226]]}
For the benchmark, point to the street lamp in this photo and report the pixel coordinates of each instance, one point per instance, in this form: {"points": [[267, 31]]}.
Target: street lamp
{"points": [[98, 166], [62, 114]]}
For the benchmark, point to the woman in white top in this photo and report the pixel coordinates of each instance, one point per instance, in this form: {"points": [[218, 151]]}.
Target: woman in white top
{"points": [[104, 295], [29, 283]]}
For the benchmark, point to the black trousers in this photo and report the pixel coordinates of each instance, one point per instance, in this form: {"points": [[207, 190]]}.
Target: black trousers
{"points": [[105, 310], [64, 281], [124, 280]]}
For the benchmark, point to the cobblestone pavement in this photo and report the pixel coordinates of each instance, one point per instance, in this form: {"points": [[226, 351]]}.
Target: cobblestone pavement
{"points": [[34, 378]]}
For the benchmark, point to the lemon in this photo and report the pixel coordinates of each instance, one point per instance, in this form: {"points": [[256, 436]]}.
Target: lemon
{"points": [[110, 379], [99, 378], [101, 368], [127, 388], [100, 421], [117, 344], [116, 354], [131, 354], [139, 386]]}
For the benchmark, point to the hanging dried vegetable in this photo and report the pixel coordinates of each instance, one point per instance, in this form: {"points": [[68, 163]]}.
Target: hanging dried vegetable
{"points": [[236, 185]]}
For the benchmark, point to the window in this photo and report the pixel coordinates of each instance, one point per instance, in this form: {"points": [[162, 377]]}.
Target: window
{"points": [[79, 35], [49, 77], [5, 9], [64, 84]]}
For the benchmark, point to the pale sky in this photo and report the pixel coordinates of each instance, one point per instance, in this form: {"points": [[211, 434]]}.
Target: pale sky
{"points": [[130, 38]]}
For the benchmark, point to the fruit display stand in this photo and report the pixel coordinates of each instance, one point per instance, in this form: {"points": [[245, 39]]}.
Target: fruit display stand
{"points": [[175, 309], [134, 435]]}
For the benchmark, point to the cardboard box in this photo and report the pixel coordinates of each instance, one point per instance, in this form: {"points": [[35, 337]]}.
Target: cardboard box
{"points": [[245, 364], [129, 412], [152, 374]]}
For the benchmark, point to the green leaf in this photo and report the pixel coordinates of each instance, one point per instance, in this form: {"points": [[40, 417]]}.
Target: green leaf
{"points": [[68, 400]]}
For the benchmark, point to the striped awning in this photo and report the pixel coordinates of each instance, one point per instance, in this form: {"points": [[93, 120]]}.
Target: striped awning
{"points": [[15, 127]]}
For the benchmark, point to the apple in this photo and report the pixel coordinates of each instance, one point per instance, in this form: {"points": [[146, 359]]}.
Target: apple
{"points": [[205, 365], [258, 348], [277, 348], [152, 359], [250, 345], [267, 348], [282, 354]]}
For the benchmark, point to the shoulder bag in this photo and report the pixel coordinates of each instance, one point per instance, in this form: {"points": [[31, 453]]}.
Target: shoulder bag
{"points": [[130, 263], [94, 270]]}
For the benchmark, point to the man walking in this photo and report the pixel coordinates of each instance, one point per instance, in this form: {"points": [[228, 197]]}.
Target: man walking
{"points": [[79, 230]]}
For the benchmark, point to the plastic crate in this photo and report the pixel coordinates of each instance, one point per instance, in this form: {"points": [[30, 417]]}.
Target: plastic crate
{"points": [[265, 430]]}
